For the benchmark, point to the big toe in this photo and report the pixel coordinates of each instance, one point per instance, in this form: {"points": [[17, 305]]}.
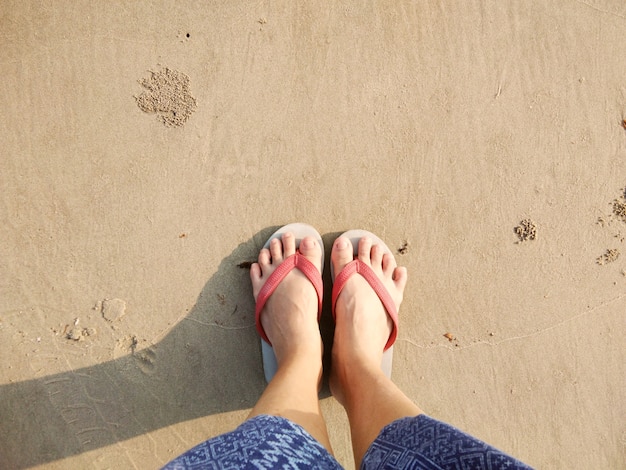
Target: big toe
{"points": [[311, 250], [342, 254]]}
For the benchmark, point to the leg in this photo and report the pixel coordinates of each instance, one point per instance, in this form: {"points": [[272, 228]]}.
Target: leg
{"points": [[362, 328], [266, 439], [290, 321], [371, 399]]}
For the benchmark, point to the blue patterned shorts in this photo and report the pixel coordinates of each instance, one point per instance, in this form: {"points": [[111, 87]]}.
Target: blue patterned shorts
{"points": [[421, 442]]}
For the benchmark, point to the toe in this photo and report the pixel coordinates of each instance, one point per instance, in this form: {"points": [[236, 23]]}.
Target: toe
{"points": [[400, 277], [255, 272], [255, 277], [342, 254], [377, 253], [388, 263], [289, 244], [365, 250], [264, 258], [276, 250], [311, 250]]}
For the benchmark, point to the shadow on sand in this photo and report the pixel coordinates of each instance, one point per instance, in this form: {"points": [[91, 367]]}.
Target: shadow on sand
{"points": [[208, 363]]}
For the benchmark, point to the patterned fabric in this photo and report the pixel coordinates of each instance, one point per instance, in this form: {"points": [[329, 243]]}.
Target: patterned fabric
{"points": [[268, 442], [263, 442], [425, 443]]}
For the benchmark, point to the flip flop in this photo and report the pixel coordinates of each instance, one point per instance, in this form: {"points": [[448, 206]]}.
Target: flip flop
{"points": [[358, 267], [296, 261]]}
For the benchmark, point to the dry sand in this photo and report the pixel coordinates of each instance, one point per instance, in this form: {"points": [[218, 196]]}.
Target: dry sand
{"points": [[125, 322]]}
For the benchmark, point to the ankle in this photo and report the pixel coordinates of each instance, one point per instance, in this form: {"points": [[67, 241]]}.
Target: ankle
{"points": [[350, 382], [306, 372], [359, 348], [305, 356]]}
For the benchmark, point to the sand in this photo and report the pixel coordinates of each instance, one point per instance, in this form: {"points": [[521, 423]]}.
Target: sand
{"points": [[168, 95], [126, 314]]}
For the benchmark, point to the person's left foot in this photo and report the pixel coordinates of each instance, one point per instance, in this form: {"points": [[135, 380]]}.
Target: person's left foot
{"points": [[362, 325]]}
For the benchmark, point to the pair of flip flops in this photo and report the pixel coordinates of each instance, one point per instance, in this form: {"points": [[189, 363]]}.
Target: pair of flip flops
{"points": [[298, 261]]}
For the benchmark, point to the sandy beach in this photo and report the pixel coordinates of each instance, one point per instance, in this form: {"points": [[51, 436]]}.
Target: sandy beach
{"points": [[148, 149]]}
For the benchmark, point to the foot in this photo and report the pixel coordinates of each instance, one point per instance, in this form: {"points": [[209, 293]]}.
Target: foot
{"points": [[290, 314], [362, 324]]}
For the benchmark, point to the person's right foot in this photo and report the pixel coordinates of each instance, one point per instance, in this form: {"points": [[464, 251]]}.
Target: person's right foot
{"points": [[290, 314], [362, 326]]}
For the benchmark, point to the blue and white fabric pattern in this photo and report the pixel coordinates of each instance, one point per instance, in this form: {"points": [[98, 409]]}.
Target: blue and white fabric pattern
{"points": [[421, 442], [263, 442], [425, 443]]}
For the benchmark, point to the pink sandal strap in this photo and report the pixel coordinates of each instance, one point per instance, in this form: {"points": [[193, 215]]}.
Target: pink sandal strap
{"points": [[296, 260], [358, 267]]}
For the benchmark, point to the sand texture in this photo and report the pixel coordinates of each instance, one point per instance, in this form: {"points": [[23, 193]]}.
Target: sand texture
{"points": [[148, 149]]}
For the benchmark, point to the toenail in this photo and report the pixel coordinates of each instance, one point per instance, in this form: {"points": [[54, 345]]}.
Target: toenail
{"points": [[308, 243], [342, 243]]}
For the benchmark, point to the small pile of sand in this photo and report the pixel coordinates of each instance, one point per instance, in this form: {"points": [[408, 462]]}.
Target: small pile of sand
{"points": [[619, 209], [608, 257], [526, 230], [168, 95]]}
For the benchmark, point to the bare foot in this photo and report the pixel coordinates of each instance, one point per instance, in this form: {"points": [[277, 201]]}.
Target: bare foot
{"points": [[290, 314], [362, 324]]}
